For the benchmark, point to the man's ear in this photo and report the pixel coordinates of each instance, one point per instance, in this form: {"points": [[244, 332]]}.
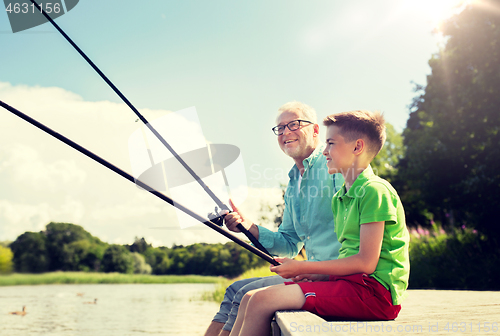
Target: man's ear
{"points": [[359, 147], [315, 130]]}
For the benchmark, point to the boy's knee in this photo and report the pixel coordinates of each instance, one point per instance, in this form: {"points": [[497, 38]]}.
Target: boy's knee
{"points": [[247, 297], [259, 296]]}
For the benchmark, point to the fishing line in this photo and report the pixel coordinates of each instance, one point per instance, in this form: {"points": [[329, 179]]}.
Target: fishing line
{"points": [[152, 129]]}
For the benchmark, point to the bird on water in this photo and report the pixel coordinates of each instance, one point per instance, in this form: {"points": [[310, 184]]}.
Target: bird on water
{"points": [[21, 313]]}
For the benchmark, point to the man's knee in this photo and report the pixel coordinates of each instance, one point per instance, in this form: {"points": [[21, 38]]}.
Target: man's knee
{"points": [[236, 286], [257, 284]]}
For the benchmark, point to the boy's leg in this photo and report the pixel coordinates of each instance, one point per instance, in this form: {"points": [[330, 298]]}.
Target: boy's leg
{"points": [[214, 328], [264, 303], [241, 312], [257, 284], [351, 297]]}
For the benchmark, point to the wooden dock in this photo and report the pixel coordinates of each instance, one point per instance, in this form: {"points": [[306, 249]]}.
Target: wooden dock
{"points": [[424, 312]]}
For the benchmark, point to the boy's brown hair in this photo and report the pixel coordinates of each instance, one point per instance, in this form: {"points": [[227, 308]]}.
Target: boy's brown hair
{"points": [[361, 124]]}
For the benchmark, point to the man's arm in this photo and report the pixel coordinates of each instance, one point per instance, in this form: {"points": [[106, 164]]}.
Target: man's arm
{"points": [[284, 243], [365, 261], [234, 218]]}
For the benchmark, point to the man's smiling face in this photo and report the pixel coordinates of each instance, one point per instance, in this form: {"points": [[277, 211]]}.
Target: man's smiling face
{"points": [[300, 143]]}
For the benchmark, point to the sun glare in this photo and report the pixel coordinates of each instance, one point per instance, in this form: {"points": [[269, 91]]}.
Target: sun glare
{"points": [[435, 10]]}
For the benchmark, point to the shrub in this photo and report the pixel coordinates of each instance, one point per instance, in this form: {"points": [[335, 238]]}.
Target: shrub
{"points": [[461, 259], [6, 257], [117, 259], [140, 264]]}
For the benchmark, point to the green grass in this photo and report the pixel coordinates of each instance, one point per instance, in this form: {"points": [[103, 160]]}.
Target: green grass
{"points": [[100, 278], [218, 294]]}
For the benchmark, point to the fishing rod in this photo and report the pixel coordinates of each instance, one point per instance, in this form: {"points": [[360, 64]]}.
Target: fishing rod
{"points": [[141, 184], [221, 205]]}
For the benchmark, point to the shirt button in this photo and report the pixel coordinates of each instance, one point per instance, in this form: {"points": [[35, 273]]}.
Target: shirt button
{"points": [[308, 237], [312, 257]]}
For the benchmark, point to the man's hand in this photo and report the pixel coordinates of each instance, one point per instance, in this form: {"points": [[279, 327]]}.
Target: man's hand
{"points": [[234, 218]]}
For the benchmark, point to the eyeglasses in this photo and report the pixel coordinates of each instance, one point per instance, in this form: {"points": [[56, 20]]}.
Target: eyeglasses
{"points": [[292, 126]]}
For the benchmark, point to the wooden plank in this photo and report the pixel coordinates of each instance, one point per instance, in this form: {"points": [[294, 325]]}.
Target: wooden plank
{"points": [[424, 312], [303, 323], [275, 329]]}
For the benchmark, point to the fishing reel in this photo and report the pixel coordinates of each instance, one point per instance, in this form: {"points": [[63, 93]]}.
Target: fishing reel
{"points": [[215, 217]]}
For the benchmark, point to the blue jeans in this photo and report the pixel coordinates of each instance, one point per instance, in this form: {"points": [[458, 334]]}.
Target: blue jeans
{"points": [[234, 293]]}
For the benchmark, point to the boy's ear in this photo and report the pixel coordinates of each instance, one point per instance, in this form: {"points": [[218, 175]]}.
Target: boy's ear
{"points": [[359, 147]]}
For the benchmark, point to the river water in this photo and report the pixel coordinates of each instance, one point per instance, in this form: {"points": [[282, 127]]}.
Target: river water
{"points": [[132, 309]]}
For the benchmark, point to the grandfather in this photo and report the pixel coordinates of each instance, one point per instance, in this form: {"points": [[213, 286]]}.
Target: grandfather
{"points": [[307, 218]]}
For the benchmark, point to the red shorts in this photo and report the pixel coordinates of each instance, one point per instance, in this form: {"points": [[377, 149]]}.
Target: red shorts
{"points": [[353, 297]]}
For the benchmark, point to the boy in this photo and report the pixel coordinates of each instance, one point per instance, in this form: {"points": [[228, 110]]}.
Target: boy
{"points": [[369, 279]]}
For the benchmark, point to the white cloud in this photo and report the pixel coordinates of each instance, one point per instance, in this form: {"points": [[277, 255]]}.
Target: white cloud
{"points": [[24, 166], [17, 218], [44, 180]]}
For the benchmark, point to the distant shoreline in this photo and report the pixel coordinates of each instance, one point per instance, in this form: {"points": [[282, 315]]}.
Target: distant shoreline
{"points": [[19, 279]]}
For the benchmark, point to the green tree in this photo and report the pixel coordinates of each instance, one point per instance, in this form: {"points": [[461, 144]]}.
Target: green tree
{"points": [[139, 245], [6, 257], [30, 253], [63, 255], [117, 259], [158, 259], [140, 264], [386, 162], [451, 169], [83, 255]]}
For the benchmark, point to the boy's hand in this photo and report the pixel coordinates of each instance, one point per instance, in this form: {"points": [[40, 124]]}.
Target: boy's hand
{"points": [[288, 269]]}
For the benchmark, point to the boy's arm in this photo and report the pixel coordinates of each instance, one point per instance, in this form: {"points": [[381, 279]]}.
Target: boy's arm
{"points": [[365, 261]]}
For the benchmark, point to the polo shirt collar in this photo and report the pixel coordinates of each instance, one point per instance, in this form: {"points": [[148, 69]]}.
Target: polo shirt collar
{"points": [[307, 162], [360, 180]]}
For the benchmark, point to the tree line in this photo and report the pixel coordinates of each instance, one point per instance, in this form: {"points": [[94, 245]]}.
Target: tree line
{"points": [[68, 247]]}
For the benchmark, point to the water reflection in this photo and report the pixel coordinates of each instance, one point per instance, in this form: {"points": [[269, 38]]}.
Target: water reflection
{"points": [[172, 309]]}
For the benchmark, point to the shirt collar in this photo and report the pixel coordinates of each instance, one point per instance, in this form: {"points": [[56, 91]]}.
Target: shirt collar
{"points": [[307, 162], [360, 180]]}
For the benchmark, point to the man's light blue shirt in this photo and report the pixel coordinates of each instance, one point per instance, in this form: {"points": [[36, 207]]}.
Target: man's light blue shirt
{"points": [[307, 218]]}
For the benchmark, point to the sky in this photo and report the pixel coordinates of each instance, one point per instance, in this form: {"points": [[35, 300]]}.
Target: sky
{"points": [[236, 63]]}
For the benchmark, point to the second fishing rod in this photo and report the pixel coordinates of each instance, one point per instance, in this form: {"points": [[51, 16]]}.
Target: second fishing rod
{"points": [[141, 184], [219, 203]]}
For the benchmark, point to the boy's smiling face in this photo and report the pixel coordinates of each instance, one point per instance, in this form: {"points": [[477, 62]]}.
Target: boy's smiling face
{"points": [[339, 153]]}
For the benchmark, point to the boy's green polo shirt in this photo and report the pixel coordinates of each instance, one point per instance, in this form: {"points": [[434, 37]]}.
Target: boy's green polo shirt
{"points": [[373, 199], [307, 218]]}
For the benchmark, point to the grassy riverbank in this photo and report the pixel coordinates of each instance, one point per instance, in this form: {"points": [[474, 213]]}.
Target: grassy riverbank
{"points": [[218, 294], [100, 278]]}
